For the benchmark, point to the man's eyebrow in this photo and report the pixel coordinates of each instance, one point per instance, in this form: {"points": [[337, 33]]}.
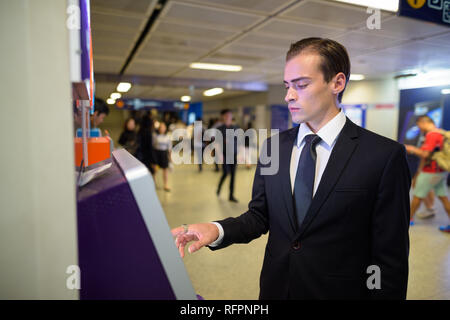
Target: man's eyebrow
{"points": [[297, 79]]}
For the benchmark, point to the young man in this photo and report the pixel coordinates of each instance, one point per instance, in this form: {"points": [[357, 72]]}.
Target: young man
{"points": [[337, 209], [228, 168], [430, 176]]}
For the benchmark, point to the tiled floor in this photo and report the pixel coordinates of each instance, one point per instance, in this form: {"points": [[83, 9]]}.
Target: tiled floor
{"points": [[233, 273]]}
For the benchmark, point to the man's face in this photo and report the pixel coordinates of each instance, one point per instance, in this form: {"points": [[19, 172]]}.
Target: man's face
{"points": [[308, 96], [228, 118], [423, 126], [98, 118]]}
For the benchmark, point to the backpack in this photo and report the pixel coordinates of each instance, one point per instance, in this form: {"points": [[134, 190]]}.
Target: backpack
{"points": [[442, 157]]}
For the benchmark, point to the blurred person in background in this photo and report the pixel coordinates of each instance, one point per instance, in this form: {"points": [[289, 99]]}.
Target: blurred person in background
{"points": [[431, 176], [199, 145], [128, 137], [144, 151], [228, 168], [163, 146], [214, 123]]}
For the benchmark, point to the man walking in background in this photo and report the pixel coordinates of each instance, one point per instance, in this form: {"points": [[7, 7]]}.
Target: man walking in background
{"points": [[430, 176], [229, 144]]}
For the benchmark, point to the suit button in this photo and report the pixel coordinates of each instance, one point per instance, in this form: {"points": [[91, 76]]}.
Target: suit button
{"points": [[296, 245]]}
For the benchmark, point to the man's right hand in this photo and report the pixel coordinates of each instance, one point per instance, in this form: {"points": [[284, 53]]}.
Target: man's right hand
{"points": [[202, 234]]}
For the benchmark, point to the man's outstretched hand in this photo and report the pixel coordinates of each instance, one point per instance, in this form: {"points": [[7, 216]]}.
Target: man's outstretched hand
{"points": [[202, 234]]}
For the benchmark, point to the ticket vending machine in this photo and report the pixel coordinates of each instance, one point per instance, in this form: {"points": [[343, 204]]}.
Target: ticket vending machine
{"points": [[126, 250]]}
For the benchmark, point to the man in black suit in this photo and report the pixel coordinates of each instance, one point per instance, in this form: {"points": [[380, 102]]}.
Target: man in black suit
{"points": [[228, 142], [337, 210]]}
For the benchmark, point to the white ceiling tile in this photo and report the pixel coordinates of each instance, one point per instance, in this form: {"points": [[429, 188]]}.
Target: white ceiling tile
{"points": [[295, 31], [327, 13], [180, 30], [141, 68], [210, 17], [106, 22], [124, 6], [264, 7]]}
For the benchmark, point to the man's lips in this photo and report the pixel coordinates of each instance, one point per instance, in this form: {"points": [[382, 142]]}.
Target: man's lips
{"points": [[294, 108]]}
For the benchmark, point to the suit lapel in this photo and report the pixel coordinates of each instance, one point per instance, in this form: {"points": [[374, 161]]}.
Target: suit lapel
{"points": [[341, 154], [285, 178]]}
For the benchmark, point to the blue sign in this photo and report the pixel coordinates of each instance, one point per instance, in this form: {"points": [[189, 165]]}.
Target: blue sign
{"points": [[437, 11], [146, 104]]}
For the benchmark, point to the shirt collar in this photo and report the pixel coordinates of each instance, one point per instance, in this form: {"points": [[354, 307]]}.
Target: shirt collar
{"points": [[328, 133]]}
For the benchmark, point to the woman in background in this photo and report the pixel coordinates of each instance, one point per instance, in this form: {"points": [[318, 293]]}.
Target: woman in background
{"points": [[163, 146], [128, 137]]}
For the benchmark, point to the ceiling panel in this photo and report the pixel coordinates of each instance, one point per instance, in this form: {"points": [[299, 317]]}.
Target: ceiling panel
{"points": [[262, 40], [263, 7], [441, 40], [107, 65], [365, 41], [180, 30], [148, 69], [115, 23], [327, 13], [295, 31], [210, 17], [137, 7]]}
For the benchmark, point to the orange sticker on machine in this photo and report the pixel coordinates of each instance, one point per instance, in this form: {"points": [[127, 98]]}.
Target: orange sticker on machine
{"points": [[416, 4]]}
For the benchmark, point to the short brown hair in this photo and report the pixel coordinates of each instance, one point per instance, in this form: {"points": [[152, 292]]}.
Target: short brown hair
{"points": [[334, 57], [424, 118]]}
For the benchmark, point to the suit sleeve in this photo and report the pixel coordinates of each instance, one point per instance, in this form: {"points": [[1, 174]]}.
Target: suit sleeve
{"points": [[390, 227], [251, 224]]}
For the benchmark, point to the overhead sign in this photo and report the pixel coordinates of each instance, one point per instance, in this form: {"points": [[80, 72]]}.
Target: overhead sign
{"points": [[437, 11]]}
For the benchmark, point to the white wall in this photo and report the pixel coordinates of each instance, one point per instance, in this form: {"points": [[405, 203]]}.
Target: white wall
{"points": [[382, 121], [37, 195]]}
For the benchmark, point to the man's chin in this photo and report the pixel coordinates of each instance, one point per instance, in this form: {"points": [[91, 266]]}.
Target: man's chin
{"points": [[298, 120]]}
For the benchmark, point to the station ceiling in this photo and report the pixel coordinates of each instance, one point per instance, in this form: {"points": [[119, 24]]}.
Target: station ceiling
{"points": [[252, 33]]}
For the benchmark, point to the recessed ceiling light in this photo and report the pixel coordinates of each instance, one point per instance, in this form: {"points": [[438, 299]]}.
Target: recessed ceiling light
{"points": [[115, 95], [388, 5], [123, 86], [356, 77], [110, 101], [213, 66], [212, 92], [185, 98]]}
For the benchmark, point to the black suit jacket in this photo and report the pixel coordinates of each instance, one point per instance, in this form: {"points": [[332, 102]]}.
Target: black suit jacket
{"points": [[358, 217]]}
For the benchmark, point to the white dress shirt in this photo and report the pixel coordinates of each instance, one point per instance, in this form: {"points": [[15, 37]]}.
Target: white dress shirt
{"points": [[329, 134]]}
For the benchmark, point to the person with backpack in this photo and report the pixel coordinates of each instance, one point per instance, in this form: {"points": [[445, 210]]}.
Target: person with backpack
{"points": [[431, 176]]}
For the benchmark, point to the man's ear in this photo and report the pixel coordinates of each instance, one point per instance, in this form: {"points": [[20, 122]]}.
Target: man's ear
{"points": [[340, 80]]}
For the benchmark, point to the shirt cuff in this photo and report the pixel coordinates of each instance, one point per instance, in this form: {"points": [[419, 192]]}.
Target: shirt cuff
{"points": [[220, 238]]}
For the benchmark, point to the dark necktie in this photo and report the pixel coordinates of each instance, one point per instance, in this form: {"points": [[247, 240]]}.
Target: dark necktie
{"points": [[304, 180]]}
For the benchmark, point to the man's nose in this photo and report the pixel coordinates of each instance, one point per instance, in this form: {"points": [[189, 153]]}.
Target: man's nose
{"points": [[291, 95]]}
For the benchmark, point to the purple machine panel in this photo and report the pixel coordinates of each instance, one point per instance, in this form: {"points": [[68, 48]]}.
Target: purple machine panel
{"points": [[117, 256]]}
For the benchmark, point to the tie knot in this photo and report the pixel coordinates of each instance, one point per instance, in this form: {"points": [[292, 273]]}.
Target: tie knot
{"points": [[312, 139]]}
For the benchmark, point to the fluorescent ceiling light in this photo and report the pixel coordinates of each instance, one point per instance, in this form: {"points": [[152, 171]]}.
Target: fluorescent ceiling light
{"points": [[185, 98], [212, 92], [388, 5], [110, 101], [356, 77], [115, 95], [445, 91], [124, 86], [213, 66]]}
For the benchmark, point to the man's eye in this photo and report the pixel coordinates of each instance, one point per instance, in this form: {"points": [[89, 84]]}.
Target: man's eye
{"points": [[301, 86]]}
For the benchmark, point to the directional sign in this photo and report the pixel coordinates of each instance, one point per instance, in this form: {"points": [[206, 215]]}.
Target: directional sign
{"points": [[437, 11]]}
